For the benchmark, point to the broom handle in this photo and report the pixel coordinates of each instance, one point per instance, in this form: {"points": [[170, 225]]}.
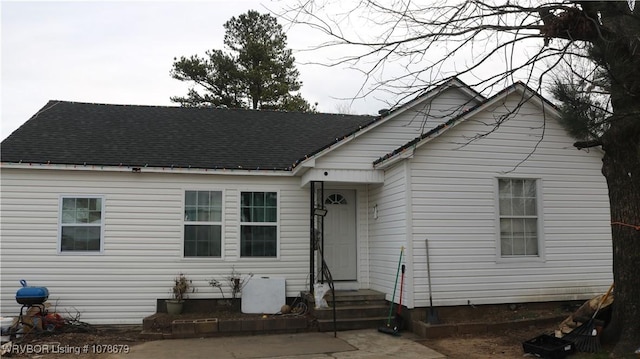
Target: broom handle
{"points": [[603, 300], [401, 288], [395, 286]]}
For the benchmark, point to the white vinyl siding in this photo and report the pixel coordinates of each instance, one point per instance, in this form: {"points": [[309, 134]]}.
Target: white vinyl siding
{"points": [[143, 239], [396, 132], [81, 224], [388, 232], [454, 206]]}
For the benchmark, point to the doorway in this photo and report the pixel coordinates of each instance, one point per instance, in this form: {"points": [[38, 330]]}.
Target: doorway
{"points": [[340, 245]]}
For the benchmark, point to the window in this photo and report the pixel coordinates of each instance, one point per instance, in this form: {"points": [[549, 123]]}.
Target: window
{"points": [[335, 198], [259, 224], [518, 217], [203, 223], [81, 220]]}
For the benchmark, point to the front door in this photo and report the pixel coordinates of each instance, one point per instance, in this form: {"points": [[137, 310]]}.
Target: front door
{"points": [[340, 234]]}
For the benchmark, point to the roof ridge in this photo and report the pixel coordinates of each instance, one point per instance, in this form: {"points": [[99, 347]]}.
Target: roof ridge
{"points": [[207, 108]]}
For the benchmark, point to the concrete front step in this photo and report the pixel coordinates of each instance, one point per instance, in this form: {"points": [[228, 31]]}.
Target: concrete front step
{"points": [[350, 303], [362, 295], [326, 325], [351, 298], [352, 311], [355, 309]]}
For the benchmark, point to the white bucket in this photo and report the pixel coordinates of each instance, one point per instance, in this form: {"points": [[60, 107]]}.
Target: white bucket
{"points": [[5, 324]]}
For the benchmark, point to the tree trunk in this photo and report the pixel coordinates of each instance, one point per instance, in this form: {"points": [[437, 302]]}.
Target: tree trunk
{"points": [[621, 168]]}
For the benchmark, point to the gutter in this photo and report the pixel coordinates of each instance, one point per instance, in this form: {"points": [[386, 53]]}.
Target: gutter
{"points": [[141, 169]]}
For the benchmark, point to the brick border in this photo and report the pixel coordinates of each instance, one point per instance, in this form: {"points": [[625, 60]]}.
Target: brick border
{"points": [[211, 327]]}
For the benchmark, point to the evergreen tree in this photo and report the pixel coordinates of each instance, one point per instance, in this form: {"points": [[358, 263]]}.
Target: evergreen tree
{"points": [[584, 103], [258, 71]]}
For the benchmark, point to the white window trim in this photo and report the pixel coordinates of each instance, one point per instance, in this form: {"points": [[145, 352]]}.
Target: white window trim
{"points": [[102, 225], [540, 222], [240, 223], [222, 225]]}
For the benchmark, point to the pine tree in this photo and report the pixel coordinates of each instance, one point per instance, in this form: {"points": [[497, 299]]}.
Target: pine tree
{"points": [[257, 71]]}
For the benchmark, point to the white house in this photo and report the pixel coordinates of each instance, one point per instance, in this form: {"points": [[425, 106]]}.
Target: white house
{"points": [[105, 204]]}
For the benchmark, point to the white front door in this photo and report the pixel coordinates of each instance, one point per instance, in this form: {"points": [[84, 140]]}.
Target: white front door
{"points": [[340, 234]]}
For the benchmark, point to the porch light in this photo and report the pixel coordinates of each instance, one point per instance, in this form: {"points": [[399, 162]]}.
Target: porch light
{"points": [[320, 212]]}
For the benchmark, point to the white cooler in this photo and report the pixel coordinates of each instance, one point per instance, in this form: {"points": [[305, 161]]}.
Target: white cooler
{"points": [[263, 295]]}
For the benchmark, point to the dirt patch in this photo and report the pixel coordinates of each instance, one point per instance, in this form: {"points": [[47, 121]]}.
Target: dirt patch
{"points": [[506, 344], [502, 344], [507, 341]]}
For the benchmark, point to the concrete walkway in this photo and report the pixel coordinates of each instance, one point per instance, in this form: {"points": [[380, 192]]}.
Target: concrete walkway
{"points": [[369, 344]]}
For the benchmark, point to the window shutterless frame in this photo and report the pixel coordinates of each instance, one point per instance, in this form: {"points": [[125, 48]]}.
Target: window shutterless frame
{"points": [[259, 234], [202, 224], [515, 214], [81, 220]]}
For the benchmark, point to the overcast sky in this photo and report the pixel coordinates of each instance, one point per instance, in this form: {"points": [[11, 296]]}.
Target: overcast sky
{"points": [[121, 53]]}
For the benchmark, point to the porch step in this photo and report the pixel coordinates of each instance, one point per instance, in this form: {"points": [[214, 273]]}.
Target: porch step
{"points": [[350, 298], [357, 297], [352, 311], [355, 309]]}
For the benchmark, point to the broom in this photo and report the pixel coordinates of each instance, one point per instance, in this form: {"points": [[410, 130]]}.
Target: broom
{"points": [[399, 319], [585, 337], [388, 329]]}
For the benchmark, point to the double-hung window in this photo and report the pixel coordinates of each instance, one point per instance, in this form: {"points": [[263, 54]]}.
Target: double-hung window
{"points": [[81, 224], [518, 217], [259, 224], [203, 223]]}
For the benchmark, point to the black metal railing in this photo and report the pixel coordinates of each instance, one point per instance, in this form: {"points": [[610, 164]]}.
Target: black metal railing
{"points": [[316, 224], [326, 275]]}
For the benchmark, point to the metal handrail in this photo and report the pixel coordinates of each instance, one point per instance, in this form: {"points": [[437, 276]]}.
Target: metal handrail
{"points": [[329, 278]]}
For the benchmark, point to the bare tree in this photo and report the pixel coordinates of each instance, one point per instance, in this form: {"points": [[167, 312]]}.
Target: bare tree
{"points": [[344, 108], [433, 41]]}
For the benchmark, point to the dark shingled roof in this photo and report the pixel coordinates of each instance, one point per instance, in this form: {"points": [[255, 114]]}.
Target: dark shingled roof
{"points": [[155, 136]]}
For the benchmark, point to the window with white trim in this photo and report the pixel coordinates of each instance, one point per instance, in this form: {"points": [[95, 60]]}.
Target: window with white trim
{"points": [[259, 224], [202, 223], [518, 217], [81, 224]]}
